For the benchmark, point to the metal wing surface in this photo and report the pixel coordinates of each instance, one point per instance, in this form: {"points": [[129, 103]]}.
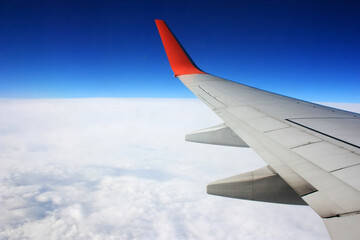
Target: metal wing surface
{"points": [[312, 151]]}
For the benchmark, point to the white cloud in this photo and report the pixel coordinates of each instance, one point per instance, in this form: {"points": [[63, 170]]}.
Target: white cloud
{"points": [[120, 169]]}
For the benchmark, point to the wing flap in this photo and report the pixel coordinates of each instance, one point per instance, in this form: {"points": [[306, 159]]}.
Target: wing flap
{"points": [[218, 135]]}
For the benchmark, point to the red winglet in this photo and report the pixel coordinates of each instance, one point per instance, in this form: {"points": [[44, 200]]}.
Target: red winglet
{"points": [[180, 61]]}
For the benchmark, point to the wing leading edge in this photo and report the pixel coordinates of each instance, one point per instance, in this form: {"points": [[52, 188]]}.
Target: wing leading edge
{"points": [[312, 149]]}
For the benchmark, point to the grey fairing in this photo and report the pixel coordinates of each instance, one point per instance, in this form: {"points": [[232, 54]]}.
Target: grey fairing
{"points": [[218, 135], [260, 185]]}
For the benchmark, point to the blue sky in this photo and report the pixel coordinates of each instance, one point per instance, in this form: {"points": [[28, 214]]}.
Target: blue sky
{"points": [[70, 49]]}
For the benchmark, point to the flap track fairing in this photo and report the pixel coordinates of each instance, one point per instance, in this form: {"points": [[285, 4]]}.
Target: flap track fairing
{"points": [[218, 135], [260, 185]]}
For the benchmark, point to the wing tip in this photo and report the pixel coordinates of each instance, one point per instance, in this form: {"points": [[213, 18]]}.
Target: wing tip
{"points": [[179, 60]]}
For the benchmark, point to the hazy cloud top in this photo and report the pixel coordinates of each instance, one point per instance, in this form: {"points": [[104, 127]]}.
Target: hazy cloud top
{"points": [[120, 169]]}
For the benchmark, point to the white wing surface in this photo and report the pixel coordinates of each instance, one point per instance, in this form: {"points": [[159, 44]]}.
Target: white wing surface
{"points": [[312, 151]]}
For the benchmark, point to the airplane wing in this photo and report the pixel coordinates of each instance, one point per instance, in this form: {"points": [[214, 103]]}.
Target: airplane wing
{"points": [[312, 151]]}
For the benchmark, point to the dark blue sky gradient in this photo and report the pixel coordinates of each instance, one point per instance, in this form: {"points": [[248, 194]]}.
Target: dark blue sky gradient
{"points": [[305, 49]]}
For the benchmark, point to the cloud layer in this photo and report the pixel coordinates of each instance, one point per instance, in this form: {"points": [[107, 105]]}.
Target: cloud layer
{"points": [[120, 169]]}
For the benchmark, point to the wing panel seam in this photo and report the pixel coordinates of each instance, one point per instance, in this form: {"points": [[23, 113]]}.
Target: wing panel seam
{"points": [[327, 135], [345, 167], [208, 93]]}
